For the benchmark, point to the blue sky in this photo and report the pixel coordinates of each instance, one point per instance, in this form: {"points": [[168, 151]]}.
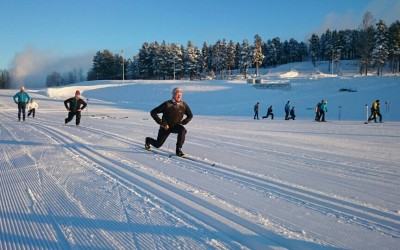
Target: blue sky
{"points": [[74, 30]]}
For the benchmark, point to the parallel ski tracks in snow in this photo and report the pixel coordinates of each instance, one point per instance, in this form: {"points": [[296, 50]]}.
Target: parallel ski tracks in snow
{"points": [[120, 166], [131, 177], [387, 223]]}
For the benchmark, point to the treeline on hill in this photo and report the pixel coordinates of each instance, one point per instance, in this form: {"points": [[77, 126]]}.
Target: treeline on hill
{"points": [[374, 47], [56, 79], [4, 79]]}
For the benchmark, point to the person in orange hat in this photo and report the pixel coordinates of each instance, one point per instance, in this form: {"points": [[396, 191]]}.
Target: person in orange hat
{"points": [[74, 105]]}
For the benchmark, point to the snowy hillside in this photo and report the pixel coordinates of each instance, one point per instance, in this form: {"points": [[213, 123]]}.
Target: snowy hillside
{"points": [[249, 184]]}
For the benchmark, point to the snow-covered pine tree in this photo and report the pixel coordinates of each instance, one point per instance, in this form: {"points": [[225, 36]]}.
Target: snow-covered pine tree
{"points": [[314, 48], [394, 48], [258, 55], [203, 60], [191, 60], [381, 50], [366, 42], [245, 57], [231, 56], [145, 62]]}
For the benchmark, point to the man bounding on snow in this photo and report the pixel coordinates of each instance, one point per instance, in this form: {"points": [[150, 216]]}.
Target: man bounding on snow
{"points": [[171, 122], [74, 105]]}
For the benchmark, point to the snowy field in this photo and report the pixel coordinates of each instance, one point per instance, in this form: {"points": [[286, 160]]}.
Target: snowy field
{"points": [[250, 184]]}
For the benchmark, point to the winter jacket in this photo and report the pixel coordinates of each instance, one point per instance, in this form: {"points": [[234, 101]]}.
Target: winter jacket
{"points": [[21, 97], [32, 105], [256, 107], [287, 107], [324, 107], [376, 107], [73, 104], [172, 113]]}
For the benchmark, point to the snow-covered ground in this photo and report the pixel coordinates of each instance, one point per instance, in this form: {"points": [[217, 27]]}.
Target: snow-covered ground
{"points": [[250, 184]]}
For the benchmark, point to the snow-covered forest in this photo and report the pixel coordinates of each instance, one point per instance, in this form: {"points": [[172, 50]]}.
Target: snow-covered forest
{"points": [[376, 46]]}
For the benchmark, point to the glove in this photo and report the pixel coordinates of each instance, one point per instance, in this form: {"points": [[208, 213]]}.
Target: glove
{"points": [[165, 125], [16, 102]]}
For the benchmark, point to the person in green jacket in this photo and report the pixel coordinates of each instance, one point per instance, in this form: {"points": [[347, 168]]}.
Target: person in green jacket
{"points": [[74, 105], [21, 98]]}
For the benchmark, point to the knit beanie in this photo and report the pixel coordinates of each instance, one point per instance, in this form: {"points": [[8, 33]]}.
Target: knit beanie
{"points": [[176, 90]]}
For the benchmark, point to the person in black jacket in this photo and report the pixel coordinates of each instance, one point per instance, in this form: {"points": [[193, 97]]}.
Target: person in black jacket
{"points": [[74, 105], [269, 113], [172, 121]]}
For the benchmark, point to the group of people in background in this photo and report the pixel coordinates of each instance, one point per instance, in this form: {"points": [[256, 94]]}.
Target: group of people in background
{"points": [[74, 105], [25, 102], [290, 112], [320, 111]]}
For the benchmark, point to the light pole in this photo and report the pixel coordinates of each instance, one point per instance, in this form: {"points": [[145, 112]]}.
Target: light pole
{"points": [[174, 68], [123, 67]]}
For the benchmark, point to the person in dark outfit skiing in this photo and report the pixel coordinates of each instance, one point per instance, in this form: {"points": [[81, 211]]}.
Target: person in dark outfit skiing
{"points": [[269, 113], [287, 110], [292, 114], [172, 121], [256, 108], [74, 105], [318, 111], [21, 98]]}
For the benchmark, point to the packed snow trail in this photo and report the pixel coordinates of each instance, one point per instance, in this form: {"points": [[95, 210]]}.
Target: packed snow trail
{"points": [[273, 186]]}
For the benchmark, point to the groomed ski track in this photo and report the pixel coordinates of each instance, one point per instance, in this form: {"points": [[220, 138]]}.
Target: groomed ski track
{"points": [[68, 187]]}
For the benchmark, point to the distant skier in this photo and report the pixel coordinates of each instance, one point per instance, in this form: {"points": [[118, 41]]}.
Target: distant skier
{"points": [[287, 110], [323, 110], [172, 121], [74, 105], [269, 113], [21, 98], [318, 111], [375, 111], [31, 107], [292, 113], [256, 108]]}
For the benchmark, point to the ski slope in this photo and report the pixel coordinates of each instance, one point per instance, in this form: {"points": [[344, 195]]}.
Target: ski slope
{"points": [[249, 184]]}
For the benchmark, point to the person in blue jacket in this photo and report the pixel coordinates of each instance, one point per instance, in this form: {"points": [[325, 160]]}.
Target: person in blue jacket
{"points": [[323, 110], [21, 98]]}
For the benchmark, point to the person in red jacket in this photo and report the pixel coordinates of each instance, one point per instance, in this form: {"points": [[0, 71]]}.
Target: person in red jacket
{"points": [[74, 105], [172, 121]]}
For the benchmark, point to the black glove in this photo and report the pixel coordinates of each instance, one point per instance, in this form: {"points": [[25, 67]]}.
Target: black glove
{"points": [[16, 102], [165, 125]]}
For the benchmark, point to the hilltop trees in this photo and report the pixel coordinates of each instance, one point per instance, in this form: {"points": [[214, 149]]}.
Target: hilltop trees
{"points": [[381, 51], [394, 46], [4, 79], [374, 45], [106, 66]]}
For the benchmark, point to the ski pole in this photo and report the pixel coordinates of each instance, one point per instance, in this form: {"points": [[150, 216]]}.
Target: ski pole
{"points": [[366, 108]]}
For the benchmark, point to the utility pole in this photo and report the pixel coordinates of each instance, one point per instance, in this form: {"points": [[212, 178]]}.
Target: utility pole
{"points": [[123, 67]]}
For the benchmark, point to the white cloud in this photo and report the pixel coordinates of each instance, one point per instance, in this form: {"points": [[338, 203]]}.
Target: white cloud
{"points": [[30, 67]]}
